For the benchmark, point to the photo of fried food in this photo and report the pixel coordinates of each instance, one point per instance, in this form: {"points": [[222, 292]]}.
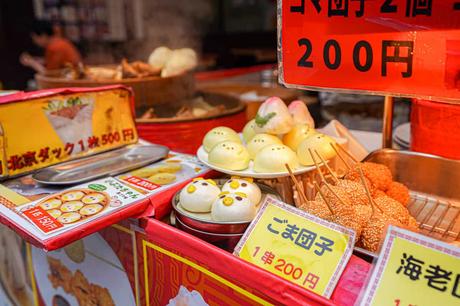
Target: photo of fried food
{"points": [[75, 205], [76, 284]]}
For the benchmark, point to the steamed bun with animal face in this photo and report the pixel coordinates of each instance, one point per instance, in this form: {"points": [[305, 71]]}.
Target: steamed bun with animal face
{"points": [[300, 113], [273, 117], [274, 158], [319, 143], [246, 186], [218, 135], [229, 155], [260, 141], [249, 130], [233, 207], [199, 195], [299, 133]]}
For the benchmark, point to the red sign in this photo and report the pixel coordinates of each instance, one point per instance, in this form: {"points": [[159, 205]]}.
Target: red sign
{"points": [[395, 47], [139, 182], [42, 219]]}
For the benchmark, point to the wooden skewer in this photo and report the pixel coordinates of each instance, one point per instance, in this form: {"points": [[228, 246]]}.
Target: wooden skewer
{"points": [[317, 166], [335, 194], [347, 153], [340, 156], [327, 167], [324, 198], [369, 197], [296, 183]]}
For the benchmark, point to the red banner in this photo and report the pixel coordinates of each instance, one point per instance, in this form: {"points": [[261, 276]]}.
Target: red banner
{"points": [[396, 47]]}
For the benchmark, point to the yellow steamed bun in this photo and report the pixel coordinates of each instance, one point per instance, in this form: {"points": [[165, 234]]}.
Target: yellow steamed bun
{"points": [[218, 135], [273, 159], [295, 136], [229, 155], [249, 130], [321, 143], [260, 141]]}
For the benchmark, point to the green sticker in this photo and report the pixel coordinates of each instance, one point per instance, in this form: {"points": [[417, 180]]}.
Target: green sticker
{"points": [[97, 187]]}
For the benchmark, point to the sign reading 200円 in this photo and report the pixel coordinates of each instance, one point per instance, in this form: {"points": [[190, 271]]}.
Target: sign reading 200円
{"points": [[397, 47]]}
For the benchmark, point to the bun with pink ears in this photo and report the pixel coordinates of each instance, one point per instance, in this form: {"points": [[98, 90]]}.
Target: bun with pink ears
{"points": [[273, 117], [300, 113]]}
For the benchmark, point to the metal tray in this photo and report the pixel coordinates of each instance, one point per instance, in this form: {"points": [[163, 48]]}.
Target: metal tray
{"points": [[100, 165], [435, 194]]}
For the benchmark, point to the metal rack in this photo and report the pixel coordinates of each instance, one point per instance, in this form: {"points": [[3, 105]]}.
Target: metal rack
{"points": [[437, 218]]}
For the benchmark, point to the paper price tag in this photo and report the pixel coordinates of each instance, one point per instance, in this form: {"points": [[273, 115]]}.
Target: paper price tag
{"points": [[296, 246], [413, 269]]}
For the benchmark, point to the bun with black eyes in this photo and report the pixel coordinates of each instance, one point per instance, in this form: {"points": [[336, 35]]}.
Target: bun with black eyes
{"points": [[233, 207], [199, 195]]}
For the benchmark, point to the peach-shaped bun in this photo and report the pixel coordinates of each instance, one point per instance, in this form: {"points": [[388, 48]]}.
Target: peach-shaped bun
{"points": [[300, 113], [218, 135], [319, 142], [299, 133], [229, 155], [260, 141], [273, 117], [274, 158], [233, 207], [199, 195], [249, 130]]}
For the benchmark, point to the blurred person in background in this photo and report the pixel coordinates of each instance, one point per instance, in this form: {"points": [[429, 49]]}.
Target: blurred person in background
{"points": [[58, 50]]}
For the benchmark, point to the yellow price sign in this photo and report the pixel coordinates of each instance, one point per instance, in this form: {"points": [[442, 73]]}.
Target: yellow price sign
{"points": [[297, 246], [413, 269]]}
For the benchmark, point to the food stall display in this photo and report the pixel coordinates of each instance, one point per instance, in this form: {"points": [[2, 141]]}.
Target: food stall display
{"points": [[291, 214]]}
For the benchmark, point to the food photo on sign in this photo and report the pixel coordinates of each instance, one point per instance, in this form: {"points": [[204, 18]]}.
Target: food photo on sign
{"points": [[248, 153]]}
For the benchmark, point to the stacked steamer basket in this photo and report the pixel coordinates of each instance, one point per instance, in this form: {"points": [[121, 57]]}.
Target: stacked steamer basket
{"points": [[218, 211]]}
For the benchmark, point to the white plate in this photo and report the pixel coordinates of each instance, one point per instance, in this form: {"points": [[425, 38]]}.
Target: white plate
{"points": [[402, 133], [249, 172]]}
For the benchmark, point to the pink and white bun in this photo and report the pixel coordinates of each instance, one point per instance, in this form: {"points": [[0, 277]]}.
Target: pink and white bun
{"points": [[300, 113], [273, 117]]}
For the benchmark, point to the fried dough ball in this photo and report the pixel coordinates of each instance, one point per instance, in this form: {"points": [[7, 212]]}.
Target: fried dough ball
{"points": [[355, 190], [378, 193], [379, 175], [332, 199], [399, 192], [393, 209], [374, 231], [345, 216], [362, 213], [357, 179], [412, 225], [317, 208]]}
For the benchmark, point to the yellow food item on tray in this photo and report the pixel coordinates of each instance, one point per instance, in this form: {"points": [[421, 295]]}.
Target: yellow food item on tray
{"points": [[249, 130], [218, 135], [298, 134], [229, 155], [260, 141], [274, 158], [319, 143]]}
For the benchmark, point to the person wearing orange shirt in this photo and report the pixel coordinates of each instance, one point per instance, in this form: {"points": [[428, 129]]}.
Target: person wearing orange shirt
{"points": [[58, 51]]}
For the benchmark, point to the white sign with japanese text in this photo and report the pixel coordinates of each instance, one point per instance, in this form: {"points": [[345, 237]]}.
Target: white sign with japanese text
{"points": [[413, 269], [297, 246]]}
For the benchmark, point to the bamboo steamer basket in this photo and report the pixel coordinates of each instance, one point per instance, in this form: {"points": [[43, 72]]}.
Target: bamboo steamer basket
{"points": [[186, 134], [149, 91]]}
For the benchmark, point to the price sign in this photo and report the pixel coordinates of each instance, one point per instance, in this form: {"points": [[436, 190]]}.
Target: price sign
{"points": [[414, 270], [398, 47], [296, 246]]}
